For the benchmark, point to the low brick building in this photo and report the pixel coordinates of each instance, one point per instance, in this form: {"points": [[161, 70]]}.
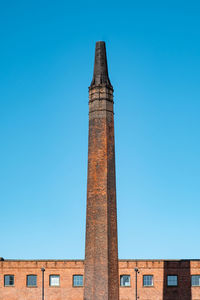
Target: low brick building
{"points": [[64, 279]]}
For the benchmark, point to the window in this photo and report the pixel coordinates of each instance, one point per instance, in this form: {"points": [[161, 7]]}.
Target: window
{"points": [[172, 280], [32, 280], [77, 280], [125, 280], [54, 280], [9, 280], [148, 280], [195, 280]]}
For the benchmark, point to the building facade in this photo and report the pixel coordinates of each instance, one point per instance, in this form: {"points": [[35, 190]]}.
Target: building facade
{"points": [[64, 279]]}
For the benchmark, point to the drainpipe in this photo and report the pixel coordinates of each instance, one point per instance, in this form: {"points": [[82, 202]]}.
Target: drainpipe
{"points": [[43, 270]]}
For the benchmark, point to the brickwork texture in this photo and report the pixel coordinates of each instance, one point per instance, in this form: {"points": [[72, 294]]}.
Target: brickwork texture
{"points": [[66, 269], [101, 250]]}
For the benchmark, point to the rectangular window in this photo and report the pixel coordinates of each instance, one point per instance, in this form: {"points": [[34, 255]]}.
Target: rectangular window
{"points": [[172, 280], [54, 280], [148, 280], [9, 280], [31, 280], [125, 280], [77, 280], [195, 280]]}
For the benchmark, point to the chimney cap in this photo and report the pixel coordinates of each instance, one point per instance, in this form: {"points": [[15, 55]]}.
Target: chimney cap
{"points": [[100, 75]]}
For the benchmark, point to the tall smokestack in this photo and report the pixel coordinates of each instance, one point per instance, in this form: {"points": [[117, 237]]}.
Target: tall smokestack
{"points": [[101, 250]]}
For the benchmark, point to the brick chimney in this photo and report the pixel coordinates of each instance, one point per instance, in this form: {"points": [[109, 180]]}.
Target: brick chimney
{"points": [[101, 250]]}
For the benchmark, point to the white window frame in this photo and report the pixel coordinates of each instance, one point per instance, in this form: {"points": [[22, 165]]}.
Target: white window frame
{"points": [[170, 280], [76, 284], [31, 285], [9, 275], [195, 275], [128, 283], [54, 277], [147, 279]]}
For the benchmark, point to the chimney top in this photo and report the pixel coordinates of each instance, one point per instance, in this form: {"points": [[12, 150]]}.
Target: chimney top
{"points": [[100, 75]]}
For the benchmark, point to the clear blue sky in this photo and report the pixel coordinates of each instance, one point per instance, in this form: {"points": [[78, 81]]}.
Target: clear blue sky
{"points": [[46, 66]]}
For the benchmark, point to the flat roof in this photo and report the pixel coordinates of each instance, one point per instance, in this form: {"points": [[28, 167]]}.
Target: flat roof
{"points": [[81, 260]]}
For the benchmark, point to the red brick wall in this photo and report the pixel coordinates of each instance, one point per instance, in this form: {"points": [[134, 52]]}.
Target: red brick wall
{"points": [[66, 269], [23, 268], [101, 250]]}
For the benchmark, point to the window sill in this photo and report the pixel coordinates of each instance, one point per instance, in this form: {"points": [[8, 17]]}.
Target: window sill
{"points": [[195, 286]]}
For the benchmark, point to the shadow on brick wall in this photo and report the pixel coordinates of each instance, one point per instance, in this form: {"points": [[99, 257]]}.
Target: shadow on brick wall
{"points": [[182, 291]]}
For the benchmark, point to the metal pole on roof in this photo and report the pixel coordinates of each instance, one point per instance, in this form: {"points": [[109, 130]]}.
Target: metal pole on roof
{"points": [[43, 270], [136, 273]]}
